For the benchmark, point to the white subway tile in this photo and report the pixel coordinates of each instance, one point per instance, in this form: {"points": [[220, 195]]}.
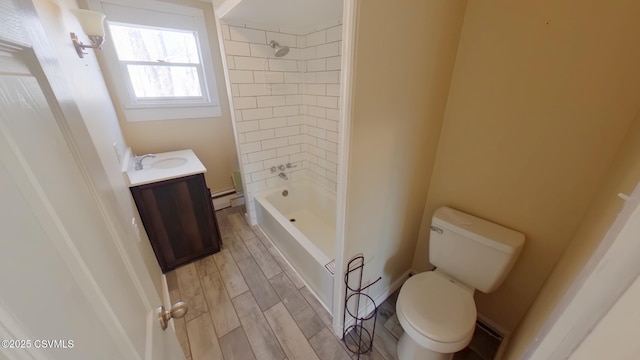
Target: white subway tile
{"points": [[334, 62], [250, 63], [273, 123], [253, 90], [247, 126], [294, 99], [295, 139], [274, 143], [327, 50], [317, 89], [285, 111], [247, 35], [315, 111], [317, 65], [333, 89], [250, 147], [281, 160], [328, 77], [258, 26], [293, 77], [327, 145], [333, 136], [241, 139], [260, 175], [317, 169], [311, 121], [317, 133], [235, 90], [261, 155], [316, 151], [298, 159], [270, 101], [288, 131], [255, 114], [332, 157], [301, 42], [302, 66], [240, 102], [295, 120], [311, 78], [261, 51], [259, 135], [309, 53], [282, 39], [253, 167], [225, 31], [231, 63], [309, 100], [287, 150], [268, 77], [328, 102], [241, 76], [282, 65], [333, 114], [238, 115], [315, 38], [303, 108], [236, 48], [334, 33], [328, 165], [332, 177], [329, 125], [284, 89]]}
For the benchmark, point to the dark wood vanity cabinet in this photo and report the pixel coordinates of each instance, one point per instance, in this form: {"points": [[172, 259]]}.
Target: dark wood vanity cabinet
{"points": [[179, 218]]}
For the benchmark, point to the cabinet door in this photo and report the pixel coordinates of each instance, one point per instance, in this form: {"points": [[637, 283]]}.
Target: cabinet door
{"points": [[179, 220]]}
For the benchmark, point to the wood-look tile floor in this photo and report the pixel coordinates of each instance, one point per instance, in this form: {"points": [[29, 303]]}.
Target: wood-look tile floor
{"points": [[246, 303]]}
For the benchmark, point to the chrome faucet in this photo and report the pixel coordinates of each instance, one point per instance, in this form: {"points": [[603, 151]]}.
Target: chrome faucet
{"points": [[283, 175], [138, 160]]}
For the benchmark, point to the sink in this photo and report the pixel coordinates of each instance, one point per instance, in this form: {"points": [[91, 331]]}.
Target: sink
{"points": [[165, 166], [169, 163]]}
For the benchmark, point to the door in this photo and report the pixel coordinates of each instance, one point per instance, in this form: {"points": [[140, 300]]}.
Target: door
{"points": [[66, 290]]}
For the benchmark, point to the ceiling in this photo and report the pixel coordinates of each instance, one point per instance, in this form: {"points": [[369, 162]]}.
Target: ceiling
{"points": [[293, 15]]}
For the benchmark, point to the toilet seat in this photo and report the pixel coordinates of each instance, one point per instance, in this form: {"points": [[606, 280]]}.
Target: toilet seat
{"points": [[436, 312]]}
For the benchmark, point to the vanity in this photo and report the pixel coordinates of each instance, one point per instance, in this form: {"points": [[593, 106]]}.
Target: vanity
{"points": [[175, 206]]}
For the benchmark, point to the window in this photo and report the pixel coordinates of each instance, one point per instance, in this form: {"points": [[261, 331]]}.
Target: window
{"points": [[158, 57]]}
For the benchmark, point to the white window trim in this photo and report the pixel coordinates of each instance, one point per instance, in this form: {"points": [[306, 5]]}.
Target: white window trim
{"points": [[167, 109]]}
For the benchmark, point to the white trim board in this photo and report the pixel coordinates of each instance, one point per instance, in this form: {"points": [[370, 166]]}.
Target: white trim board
{"points": [[607, 275]]}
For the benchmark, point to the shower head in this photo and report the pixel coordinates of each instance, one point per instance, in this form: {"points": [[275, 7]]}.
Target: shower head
{"points": [[280, 51]]}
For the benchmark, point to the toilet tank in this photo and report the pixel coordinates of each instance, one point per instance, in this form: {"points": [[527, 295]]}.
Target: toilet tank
{"points": [[474, 251]]}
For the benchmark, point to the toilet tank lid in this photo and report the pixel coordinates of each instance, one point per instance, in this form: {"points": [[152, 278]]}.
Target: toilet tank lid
{"points": [[478, 229]]}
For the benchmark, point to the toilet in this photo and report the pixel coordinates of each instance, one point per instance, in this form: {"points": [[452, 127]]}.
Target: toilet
{"points": [[436, 308]]}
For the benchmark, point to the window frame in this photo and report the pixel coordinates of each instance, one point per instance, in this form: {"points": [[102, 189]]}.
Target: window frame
{"points": [[159, 15]]}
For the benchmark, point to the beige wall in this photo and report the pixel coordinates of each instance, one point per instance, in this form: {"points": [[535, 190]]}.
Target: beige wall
{"points": [[541, 97], [210, 138], [404, 59], [621, 177], [97, 130]]}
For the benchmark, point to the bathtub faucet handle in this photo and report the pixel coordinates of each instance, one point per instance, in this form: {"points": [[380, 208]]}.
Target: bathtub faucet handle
{"points": [[281, 167], [273, 169], [290, 165]]}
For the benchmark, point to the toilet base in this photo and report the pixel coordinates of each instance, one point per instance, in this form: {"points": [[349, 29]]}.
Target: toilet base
{"points": [[409, 350]]}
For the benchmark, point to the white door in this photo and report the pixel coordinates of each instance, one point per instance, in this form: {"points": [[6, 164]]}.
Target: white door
{"points": [[65, 290]]}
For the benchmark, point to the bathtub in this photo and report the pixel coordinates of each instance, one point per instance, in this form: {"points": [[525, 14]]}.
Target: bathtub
{"points": [[302, 226]]}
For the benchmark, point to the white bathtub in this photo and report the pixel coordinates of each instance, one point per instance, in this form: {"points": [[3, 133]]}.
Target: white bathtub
{"points": [[302, 225]]}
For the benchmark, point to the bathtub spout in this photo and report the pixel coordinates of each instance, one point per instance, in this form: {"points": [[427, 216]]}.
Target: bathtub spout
{"points": [[283, 176]]}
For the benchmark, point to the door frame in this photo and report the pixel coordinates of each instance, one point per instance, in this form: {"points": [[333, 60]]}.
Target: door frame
{"points": [[610, 271]]}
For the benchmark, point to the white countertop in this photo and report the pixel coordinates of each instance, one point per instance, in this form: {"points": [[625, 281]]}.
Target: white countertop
{"points": [[151, 172]]}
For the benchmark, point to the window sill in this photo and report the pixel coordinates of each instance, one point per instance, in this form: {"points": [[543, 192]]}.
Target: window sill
{"points": [[174, 113]]}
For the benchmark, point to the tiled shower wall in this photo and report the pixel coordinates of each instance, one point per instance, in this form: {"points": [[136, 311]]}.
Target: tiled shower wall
{"points": [[286, 108]]}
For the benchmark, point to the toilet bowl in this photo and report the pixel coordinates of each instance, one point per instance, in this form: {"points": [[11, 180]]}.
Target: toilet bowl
{"points": [[438, 316], [436, 308]]}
